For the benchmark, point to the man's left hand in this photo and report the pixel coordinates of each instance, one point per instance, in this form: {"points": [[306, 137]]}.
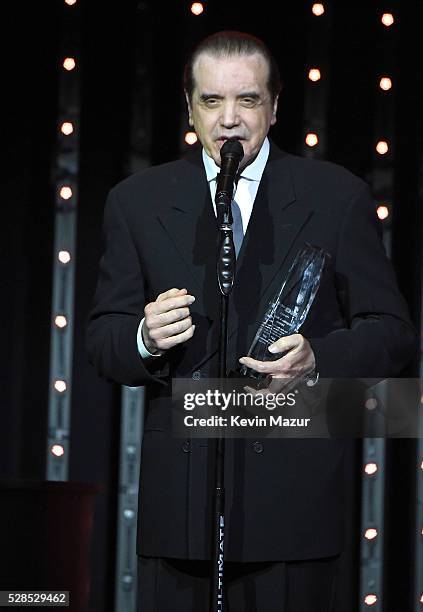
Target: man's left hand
{"points": [[297, 362]]}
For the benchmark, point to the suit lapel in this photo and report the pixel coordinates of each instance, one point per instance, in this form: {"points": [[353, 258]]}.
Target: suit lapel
{"points": [[275, 222], [189, 220]]}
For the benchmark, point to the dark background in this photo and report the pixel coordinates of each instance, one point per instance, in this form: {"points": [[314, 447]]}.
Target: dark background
{"points": [[133, 52]]}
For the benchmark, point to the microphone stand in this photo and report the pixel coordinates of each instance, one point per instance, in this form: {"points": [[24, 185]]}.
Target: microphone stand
{"points": [[226, 265]]}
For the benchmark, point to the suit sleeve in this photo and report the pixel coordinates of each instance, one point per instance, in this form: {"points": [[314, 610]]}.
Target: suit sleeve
{"points": [[118, 308], [379, 339]]}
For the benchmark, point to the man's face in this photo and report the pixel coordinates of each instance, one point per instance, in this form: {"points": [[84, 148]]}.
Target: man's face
{"points": [[231, 100]]}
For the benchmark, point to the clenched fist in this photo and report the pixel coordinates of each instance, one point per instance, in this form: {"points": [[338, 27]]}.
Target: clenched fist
{"points": [[168, 321]]}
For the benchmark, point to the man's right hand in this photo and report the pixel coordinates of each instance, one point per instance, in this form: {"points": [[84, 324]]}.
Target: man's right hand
{"points": [[167, 321]]}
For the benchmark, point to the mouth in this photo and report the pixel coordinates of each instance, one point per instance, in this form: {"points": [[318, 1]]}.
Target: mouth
{"points": [[223, 139]]}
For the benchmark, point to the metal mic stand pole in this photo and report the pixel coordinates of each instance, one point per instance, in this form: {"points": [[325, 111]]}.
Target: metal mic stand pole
{"points": [[226, 263]]}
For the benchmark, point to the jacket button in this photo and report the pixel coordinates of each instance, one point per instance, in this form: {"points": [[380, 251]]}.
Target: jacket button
{"points": [[196, 375], [258, 447], [186, 446]]}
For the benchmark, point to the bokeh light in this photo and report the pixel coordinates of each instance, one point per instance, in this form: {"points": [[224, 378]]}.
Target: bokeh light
{"points": [[66, 128], [370, 534], [197, 8], [60, 386], [382, 212], [314, 74], [318, 9], [382, 147], [385, 83], [387, 19], [60, 321], [69, 63], [311, 139], [65, 192], [64, 257], [190, 138], [370, 468]]}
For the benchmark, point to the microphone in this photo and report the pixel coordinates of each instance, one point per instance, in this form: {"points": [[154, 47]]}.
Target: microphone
{"points": [[231, 155]]}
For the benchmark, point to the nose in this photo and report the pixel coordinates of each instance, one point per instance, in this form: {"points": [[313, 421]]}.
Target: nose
{"points": [[229, 116]]}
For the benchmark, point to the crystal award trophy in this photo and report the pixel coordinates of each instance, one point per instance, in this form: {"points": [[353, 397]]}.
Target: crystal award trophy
{"points": [[288, 309]]}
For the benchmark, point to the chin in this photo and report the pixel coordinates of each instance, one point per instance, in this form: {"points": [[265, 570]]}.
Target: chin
{"points": [[247, 159], [216, 157]]}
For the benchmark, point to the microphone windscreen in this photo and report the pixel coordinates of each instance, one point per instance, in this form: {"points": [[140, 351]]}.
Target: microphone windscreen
{"points": [[232, 148]]}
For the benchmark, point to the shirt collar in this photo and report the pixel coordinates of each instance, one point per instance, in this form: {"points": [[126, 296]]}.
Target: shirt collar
{"points": [[252, 172]]}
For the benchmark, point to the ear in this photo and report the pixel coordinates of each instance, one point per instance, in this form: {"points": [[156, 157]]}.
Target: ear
{"points": [[190, 120], [275, 108]]}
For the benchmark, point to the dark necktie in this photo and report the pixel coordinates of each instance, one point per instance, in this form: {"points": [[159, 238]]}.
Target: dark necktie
{"points": [[237, 229]]}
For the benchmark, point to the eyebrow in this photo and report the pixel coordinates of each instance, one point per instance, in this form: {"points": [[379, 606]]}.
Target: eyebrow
{"points": [[245, 94]]}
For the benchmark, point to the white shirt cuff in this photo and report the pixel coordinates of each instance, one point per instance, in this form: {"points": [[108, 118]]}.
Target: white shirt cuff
{"points": [[143, 351]]}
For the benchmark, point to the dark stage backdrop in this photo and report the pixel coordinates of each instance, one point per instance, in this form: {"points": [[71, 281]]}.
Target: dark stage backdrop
{"points": [[111, 43]]}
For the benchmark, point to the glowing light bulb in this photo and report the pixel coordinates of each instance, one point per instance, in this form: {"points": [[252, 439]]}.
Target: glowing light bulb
{"points": [[371, 534], [66, 128], [69, 63], [60, 321], [191, 138], [370, 599], [371, 468], [60, 386], [387, 19], [64, 257], [311, 139], [382, 212], [382, 147], [385, 83], [70, 2], [314, 74], [66, 192], [318, 9], [57, 450], [197, 8]]}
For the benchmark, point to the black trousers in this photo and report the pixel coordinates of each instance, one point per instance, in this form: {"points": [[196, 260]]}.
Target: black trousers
{"points": [[173, 585]]}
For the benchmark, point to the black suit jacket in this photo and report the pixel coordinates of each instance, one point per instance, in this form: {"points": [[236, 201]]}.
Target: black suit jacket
{"points": [[284, 497]]}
